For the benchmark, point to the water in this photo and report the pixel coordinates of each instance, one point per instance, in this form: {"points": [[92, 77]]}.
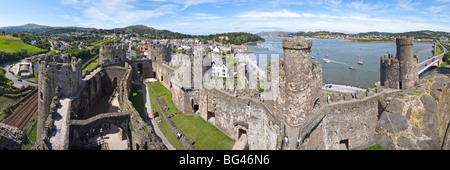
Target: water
{"points": [[342, 55]]}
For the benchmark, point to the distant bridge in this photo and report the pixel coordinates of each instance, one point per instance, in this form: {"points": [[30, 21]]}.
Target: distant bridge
{"points": [[433, 61]]}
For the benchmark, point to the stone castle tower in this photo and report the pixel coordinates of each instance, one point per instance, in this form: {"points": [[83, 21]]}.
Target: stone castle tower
{"points": [[159, 52], [110, 54], [303, 81], [58, 77], [400, 72]]}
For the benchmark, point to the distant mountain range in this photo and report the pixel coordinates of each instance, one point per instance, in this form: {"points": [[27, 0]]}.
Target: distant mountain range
{"points": [[142, 29], [417, 34], [34, 28], [49, 30]]}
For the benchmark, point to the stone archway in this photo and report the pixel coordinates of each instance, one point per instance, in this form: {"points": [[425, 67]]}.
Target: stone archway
{"points": [[114, 125]]}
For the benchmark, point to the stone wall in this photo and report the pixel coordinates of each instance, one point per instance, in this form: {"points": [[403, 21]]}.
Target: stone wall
{"points": [[410, 119], [235, 115], [57, 74], [10, 137], [389, 67], [110, 54], [81, 127], [92, 92]]}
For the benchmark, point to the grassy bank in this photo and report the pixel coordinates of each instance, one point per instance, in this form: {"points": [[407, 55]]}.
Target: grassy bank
{"points": [[205, 135], [12, 44]]}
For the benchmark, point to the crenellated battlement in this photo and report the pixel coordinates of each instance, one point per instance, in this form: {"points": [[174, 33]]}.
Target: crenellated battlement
{"points": [[112, 54], [388, 59], [159, 52], [405, 41]]}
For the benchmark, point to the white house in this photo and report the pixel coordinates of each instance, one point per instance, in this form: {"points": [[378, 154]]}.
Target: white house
{"points": [[219, 70]]}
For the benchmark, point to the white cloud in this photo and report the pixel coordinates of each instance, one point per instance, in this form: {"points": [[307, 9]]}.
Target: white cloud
{"points": [[202, 16], [436, 9], [361, 5], [275, 14], [110, 13]]}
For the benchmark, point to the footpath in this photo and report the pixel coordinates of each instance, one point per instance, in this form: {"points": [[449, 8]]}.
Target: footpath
{"points": [[152, 122]]}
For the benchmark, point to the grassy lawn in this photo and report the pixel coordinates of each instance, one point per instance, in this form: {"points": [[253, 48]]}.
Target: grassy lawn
{"points": [[205, 135], [103, 42], [138, 102], [374, 147], [163, 126], [91, 65], [438, 49], [12, 44]]}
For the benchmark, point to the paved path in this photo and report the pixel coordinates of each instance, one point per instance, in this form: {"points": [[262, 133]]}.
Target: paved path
{"points": [[59, 132], [152, 121], [342, 88]]}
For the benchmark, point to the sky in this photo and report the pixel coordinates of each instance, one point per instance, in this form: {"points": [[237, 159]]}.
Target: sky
{"points": [[202, 17]]}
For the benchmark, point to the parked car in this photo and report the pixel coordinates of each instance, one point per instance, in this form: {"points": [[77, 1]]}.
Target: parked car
{"points": [[19, 79]]}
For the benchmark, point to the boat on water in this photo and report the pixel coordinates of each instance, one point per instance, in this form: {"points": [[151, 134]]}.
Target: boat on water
{"points": [[352, 68], [326, 60], [359, 61], [312, 57]]}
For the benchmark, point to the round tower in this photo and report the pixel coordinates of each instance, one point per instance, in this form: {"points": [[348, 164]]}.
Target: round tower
{"points": [[57, 77], [408, 63], [112, 54], [389, 67], [298, 77], [159, 52]]}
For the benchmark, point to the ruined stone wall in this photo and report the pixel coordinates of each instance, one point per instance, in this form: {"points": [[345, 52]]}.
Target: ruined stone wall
{"points": [[10, 137], [57, 75], [92, 92], [110, 54], [230, 114], [389, 71], [159, 52], [414, 119], [164, 74]]}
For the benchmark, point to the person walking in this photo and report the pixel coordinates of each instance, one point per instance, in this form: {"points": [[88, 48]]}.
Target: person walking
{"points": [[101, 133], [286, 141]]}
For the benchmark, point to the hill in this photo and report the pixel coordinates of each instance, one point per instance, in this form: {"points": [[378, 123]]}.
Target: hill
{"points": [[318, 33], [423, 33], [236, 38], [142, 29], [273, 33], [26, 28], [12, 44]]}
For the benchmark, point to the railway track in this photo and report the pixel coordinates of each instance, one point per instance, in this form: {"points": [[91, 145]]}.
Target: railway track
{"points": [[21, 117]]}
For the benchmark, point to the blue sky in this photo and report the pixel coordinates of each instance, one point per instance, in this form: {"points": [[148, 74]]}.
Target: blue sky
{"points": [[218, 16]]}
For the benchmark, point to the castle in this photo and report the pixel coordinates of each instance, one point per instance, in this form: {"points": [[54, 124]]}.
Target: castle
{"points": [[71, 104], [299, 111], [400, 72], [112, 54]]}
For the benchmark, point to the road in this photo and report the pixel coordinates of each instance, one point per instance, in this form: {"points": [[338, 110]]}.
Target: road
{"points": [[14, 79], [425, 64]]}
